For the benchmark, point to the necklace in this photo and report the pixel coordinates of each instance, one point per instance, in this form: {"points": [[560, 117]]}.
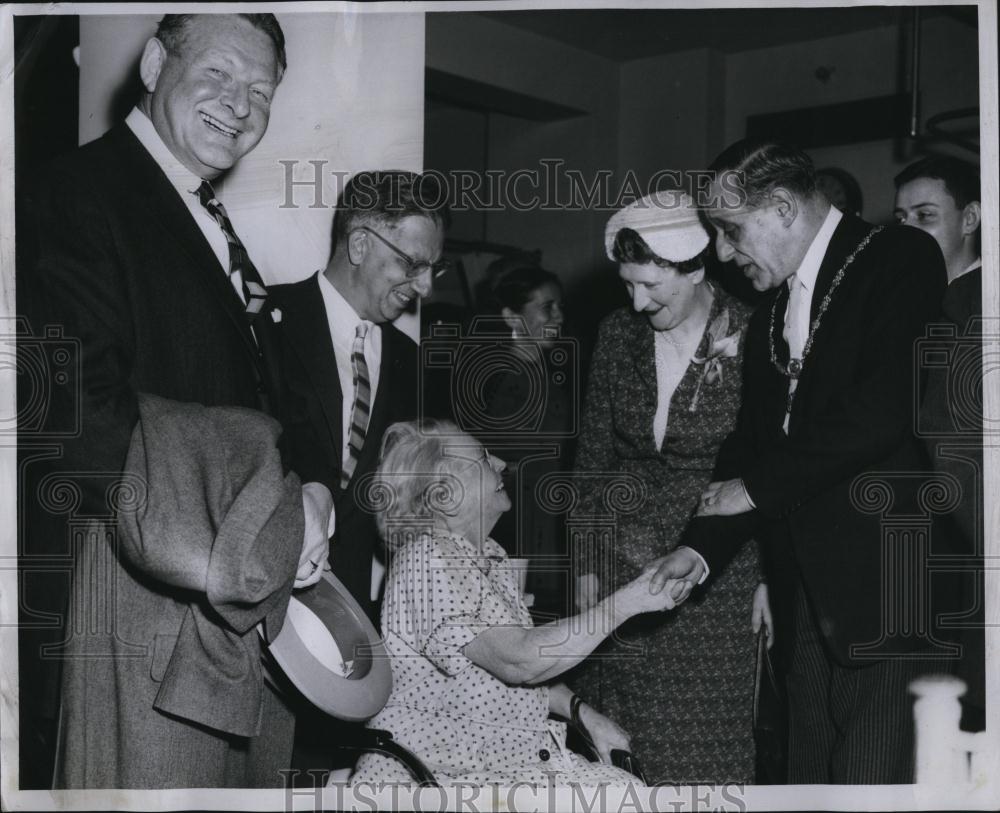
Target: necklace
{"points": [[794, 367]]}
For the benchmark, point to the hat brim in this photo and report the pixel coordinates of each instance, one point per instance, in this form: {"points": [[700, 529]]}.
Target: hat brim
{"points": [[362, 693]]}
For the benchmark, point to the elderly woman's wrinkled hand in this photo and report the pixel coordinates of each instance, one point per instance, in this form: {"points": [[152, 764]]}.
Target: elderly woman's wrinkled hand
{"points": [[605, 734]]}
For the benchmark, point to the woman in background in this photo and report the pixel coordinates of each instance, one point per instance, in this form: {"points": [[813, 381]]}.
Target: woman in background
{"points": [[528, 420], [664, 391]]}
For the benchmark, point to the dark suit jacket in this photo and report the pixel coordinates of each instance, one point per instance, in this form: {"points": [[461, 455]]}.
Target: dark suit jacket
{"points": [[836, 495], [952, 430], [952, 412], [313, 421], [113, 257]]}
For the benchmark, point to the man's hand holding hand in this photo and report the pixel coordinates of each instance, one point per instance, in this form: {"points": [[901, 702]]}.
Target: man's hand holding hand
{"points": [[684, 567], [317, 505], [724, 499], [760, 613]]}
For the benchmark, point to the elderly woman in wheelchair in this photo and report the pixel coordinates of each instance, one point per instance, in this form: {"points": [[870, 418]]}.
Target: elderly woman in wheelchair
{"points": [[474, 682]]}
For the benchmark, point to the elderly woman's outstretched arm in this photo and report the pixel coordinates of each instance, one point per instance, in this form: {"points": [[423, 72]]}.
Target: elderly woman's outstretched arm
{"points": [[519, 655]]}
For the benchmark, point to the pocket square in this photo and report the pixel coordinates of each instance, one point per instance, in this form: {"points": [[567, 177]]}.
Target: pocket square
{"points": [[275, 315]]}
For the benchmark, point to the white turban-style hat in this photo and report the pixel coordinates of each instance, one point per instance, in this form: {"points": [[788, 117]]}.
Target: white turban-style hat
{"points": [[667, 221]]}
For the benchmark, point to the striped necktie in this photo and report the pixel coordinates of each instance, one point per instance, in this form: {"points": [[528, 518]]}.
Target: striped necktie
{"points": [[240, 267], [362, 404]]}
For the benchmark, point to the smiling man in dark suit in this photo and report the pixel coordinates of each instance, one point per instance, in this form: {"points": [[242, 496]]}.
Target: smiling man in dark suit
{"points": [[388, 237], [826, 431], [134, 256], [351, 373]]}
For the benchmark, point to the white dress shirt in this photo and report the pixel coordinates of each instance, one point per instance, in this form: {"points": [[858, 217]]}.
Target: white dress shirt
{"points": [[976, 263], [343, 321], [316, 498], [186, 183], [801, 286]]}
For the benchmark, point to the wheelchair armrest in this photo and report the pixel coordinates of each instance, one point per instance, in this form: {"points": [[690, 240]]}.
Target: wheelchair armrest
{"points": [[375, 739], [620, 758], [623, 759]]}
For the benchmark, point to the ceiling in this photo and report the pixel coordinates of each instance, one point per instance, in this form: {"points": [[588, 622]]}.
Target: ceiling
{"points": [[626, 34]]}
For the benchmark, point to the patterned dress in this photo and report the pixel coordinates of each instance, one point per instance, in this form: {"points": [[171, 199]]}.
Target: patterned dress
{"points": [[464, 724], [680, 683]]}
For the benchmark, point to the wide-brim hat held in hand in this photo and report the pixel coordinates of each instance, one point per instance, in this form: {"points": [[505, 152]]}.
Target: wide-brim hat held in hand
{"points": [[332, 653]]}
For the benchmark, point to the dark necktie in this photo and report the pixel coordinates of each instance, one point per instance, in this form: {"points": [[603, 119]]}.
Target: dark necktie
{"points": [[362, 404], [254, 291]]}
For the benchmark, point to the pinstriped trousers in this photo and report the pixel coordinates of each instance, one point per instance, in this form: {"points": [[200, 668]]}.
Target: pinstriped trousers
{"points": [[847, 725]]}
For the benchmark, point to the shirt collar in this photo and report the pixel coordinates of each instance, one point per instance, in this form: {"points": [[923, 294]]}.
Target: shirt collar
{"points": [[180, 177], [808, 269], [342, 317], [490, 548], [976, 263]]}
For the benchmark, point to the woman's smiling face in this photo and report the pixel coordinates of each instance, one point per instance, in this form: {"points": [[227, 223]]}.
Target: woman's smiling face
{"points": [[664, 295]]}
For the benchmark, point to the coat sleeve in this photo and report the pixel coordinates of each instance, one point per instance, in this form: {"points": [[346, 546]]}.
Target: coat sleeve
{"points": [[719, 539], [76, 285], [215, 514]]}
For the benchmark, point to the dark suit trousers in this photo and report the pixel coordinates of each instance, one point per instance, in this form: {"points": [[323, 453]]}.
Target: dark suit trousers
{"points": [[848, 725]]}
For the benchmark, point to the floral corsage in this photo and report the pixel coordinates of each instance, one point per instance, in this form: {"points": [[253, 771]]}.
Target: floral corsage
{"points": [[720, 346]]}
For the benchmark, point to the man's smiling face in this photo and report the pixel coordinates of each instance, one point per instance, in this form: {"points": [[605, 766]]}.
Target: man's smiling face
{"points": [[386, 289], [211, 101]]}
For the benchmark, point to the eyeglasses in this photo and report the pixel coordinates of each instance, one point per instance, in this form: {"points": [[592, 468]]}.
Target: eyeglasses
{"points": [[414, 268]]}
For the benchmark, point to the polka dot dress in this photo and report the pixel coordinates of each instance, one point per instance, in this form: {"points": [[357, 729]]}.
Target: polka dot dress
{"points": [[462, 722]]}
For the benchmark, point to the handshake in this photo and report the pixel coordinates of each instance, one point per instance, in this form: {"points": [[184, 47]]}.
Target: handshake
{"points": [[663, 584]]}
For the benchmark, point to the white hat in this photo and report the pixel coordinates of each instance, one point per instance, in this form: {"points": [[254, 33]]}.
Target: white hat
{"points": [[332, 653], [667, 221]]}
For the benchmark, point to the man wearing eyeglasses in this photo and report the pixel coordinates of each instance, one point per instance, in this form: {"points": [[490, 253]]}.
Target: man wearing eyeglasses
{"points": [[350, 372]]}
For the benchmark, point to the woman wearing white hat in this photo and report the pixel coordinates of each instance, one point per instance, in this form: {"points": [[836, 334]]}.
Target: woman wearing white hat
{"points": [[664, 392]]}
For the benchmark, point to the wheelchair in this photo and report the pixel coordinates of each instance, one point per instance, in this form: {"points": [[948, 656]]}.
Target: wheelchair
{"points": [[359, 692]]}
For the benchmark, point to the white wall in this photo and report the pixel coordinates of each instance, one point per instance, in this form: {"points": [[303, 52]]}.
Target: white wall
{"points": [[669, 112], [353, 96], [514, 59]]}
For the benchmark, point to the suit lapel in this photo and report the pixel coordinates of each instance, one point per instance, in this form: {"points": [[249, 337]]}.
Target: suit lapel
{"points": [[846, 237], [167, 210], [636, 409], [309, 334], [643, 349], [849, 232], [779, 307]]}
